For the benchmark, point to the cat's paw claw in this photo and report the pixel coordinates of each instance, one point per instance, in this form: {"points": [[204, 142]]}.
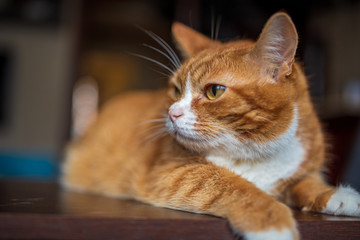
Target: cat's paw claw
{"points": [[345, 201]]}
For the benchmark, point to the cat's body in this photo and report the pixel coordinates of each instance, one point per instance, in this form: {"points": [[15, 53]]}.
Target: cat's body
{"points": [[234, 131]]}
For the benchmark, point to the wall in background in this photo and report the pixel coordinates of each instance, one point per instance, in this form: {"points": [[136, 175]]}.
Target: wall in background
{"points": [[42, 55]]}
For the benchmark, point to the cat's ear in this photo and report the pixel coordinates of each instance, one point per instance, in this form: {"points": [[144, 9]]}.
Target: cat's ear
{"points": [[276, 47], [190, 41]]}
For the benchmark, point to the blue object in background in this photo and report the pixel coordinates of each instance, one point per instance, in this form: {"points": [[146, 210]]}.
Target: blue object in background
{"points": [[28, 165]]}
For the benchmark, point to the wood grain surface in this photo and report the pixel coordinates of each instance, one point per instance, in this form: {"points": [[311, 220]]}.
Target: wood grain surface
{"points": [[42, 210]]}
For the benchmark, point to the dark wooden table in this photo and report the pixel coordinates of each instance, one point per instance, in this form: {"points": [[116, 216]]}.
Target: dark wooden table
{"points": [[41, 210]]}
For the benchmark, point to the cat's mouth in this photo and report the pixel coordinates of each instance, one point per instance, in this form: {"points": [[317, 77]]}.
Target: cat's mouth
{"points": [[185, 134]]}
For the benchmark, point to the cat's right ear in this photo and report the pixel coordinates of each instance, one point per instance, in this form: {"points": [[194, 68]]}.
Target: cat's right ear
{"points": [[190, 41]]}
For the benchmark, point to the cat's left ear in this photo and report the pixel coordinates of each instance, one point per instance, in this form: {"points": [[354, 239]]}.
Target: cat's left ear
{"points": [[190, 41], [276, 47]]}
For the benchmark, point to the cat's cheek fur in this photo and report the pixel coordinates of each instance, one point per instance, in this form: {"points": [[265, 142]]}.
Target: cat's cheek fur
{"points": [[345, 201]]}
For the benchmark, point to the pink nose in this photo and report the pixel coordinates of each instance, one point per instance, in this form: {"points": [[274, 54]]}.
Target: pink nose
{"points": [[175, 113]]}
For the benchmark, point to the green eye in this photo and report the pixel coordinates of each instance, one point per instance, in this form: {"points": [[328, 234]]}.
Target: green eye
{"points": [[214, 91]]}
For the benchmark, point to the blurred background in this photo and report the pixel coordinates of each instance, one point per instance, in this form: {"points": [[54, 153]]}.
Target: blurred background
{"points": [[62, 59]]}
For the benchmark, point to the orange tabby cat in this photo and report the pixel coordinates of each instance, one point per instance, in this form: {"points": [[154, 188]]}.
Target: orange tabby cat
{"points": [[234, 135]]}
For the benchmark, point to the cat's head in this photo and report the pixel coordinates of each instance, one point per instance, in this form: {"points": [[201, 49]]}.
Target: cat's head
{"points": [[235, 98]]}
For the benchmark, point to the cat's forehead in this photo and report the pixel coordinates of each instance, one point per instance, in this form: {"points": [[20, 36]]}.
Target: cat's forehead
{"points": [[220, 67]]}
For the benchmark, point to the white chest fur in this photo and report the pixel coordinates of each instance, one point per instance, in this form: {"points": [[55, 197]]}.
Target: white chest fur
{"points": [[265, 174]]}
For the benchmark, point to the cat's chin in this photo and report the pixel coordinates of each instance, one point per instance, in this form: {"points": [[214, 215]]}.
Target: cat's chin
{"points": [[187, 138], [190, 142]]}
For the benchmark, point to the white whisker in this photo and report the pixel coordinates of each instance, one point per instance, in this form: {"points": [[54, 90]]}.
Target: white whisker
{"points": [[162, 53], [159, 133], [167, 75], [167, 48], [163, 44], [190, 19], [154, 128], [154, 61], [158, 126], [217, 29], [153, 120], [212, 23], [157, 120]]}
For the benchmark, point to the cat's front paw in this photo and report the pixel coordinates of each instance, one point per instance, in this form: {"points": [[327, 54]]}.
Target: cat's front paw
{"points": [[345, 201], [284, 234], [272, 223]]}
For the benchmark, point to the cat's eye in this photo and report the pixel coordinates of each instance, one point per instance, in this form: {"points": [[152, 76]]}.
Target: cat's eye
{"points": [[177, 92], [214, 91]]}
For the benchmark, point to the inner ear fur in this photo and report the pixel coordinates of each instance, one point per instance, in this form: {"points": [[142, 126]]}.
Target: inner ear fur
{"points": [[276, 47], [190, 41]]}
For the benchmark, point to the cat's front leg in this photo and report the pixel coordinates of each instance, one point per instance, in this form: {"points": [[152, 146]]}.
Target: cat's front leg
{"points": [[205, 188], [312, 194]]}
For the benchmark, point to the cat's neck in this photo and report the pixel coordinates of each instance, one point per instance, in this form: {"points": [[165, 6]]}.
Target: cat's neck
{"points": [[252, 151], [267, 173], [264, 164]]}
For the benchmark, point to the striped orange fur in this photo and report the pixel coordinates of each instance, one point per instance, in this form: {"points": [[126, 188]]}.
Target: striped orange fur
{"points": [[257, 145]]}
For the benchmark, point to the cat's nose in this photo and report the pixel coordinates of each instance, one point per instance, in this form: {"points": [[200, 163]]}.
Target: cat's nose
{"points": [[175, 113]]}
